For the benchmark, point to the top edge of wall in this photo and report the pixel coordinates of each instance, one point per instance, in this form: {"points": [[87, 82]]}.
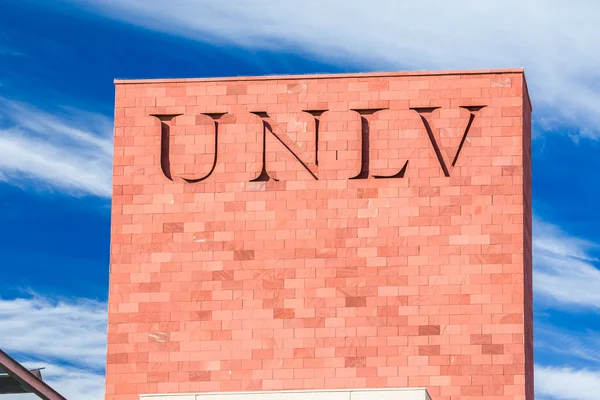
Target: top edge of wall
{"points": [[322, 76]]}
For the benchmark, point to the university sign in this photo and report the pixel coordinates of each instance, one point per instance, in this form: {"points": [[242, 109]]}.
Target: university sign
{"points": [[312, 168], [393, 254]]}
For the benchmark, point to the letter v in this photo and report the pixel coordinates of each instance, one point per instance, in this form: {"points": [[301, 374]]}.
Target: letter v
{"points": [[442, 157]]}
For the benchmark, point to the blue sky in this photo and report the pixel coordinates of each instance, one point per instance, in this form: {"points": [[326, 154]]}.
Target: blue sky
{"points": [[58, 60]]}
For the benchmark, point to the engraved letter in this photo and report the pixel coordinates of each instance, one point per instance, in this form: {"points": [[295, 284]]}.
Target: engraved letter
{"points": [[269, 124], [444, 161], [365, 147], [165, 162], [316, 115]]}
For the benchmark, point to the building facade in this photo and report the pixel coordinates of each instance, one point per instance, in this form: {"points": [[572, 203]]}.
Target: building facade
{"points": [[323, 235]]}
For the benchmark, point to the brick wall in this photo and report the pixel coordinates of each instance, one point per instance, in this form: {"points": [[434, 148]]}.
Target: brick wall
{"points": [[353, 231]]}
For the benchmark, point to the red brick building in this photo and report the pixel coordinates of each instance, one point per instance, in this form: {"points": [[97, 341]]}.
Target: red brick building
{"points": [[320, 234]]}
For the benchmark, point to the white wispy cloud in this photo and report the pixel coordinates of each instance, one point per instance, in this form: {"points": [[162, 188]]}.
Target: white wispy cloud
{"points": [[570, 351], [565, 276], [550, 238], [554, 40], [70, 331], [564, 269], [66, 337], [566, 383], [581, 347], [70, 152], [71, 383]]}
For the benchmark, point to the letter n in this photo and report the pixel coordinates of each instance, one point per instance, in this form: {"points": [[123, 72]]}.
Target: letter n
{"points": [[291, 147]]}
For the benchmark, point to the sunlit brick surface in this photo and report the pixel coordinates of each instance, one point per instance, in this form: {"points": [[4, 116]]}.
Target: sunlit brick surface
{"points": [[412, 274]]}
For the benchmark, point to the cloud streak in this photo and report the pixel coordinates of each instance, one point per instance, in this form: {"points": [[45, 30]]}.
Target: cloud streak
{"points": [[566, 383], [562, 65], [582, 348], [71, 152], [564, 269], [73, 332], [72, 383], [68, 338], [565, 276]]}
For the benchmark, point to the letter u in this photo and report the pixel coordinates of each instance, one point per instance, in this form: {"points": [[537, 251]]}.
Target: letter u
{"points": [[165, 161]]}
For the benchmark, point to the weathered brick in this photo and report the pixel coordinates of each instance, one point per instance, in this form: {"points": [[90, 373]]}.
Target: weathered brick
{"points": [[492, 349], [356, 301], [429, 330], [283, 313]]}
